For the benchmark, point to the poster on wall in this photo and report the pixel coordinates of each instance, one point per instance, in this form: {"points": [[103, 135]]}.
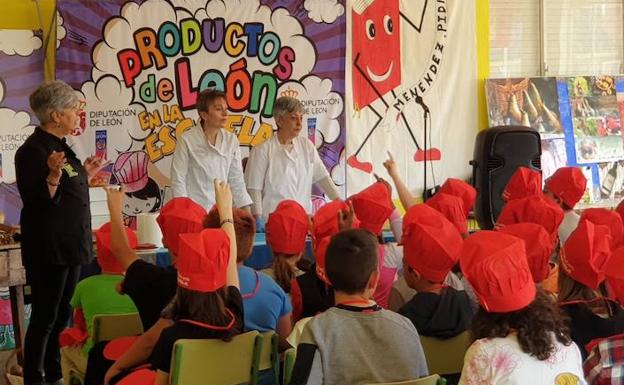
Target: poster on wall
{"points": [[140, 64], [595, 119], [411, 68], [21, 71], [529, 102], [579, 121]]}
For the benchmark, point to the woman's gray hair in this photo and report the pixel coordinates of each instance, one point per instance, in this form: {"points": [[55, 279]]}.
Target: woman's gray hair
{"points": [[55, 95], [286, 105]]}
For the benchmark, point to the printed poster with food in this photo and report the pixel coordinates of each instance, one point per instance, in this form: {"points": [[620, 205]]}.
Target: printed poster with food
{"points": [[529, 102], [595, 119]]}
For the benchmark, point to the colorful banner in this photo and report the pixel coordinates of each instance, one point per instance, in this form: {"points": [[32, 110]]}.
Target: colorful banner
{"points": [[21, 71], [411, 89], [140, 64]]}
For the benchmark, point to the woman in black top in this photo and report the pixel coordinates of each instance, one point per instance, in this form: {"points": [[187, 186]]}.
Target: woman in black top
{"points": [[55, 224]]}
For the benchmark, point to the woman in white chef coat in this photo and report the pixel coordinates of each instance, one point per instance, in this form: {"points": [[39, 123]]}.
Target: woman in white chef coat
{"points": [[286, 165], [208, 151]]}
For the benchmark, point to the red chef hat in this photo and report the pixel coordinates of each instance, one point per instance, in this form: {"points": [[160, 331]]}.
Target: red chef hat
{"points": [[533, 209], [287, 228], [539, 247], [523, 183], [611, 219], [373, 207], [431, 244], [452, 208], [179, 216], [568, 184], [459, 188], [203, 260], [585, 254], [105, 257], [495, 264]]}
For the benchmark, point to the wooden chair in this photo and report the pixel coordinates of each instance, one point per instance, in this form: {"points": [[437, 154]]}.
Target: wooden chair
{"points": [[199, 362], [433, 379], [289, 362], [446, 356]]}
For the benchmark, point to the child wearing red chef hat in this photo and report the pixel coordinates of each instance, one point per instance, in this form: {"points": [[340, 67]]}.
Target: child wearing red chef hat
{"points": [[208, 303], [151, 287], [267, 307], [373, 206], [519, 334], [431, 247], [566, 188], [93, 296], [311, 292], [582, 293], [286, 231]]}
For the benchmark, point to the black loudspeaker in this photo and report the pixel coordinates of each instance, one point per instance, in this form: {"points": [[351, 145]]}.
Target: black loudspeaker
{"points": [[498, 152]]}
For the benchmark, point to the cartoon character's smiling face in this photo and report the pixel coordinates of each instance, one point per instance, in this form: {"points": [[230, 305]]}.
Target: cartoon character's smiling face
{"points": [[376, 50]]}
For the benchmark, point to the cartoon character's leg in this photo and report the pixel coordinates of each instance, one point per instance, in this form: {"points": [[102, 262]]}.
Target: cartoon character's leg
{"points": [[353, 160]]}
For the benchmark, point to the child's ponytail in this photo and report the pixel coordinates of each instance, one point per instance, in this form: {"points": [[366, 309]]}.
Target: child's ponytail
{"points": [[283, 270]]}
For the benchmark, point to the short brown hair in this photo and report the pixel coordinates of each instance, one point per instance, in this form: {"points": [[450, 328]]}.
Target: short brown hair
{"points": [[206, 97], [352, 256], [244, 227]]}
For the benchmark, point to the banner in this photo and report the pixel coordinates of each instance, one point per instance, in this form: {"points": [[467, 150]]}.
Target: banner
{"points": [[411, 87], [21, 71], [140, 64]]}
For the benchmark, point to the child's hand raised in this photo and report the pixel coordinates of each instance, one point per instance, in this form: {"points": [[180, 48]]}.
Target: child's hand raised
{"points": [[114, 199], [346, 218], [223, 197], [390, 165]]}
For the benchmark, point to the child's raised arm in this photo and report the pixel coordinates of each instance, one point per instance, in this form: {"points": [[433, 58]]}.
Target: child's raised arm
{"points": [[223, 196], [406, 197], [119, 244]]}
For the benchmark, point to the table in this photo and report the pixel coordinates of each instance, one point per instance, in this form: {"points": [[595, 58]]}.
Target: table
{"points": [[13, 276]]}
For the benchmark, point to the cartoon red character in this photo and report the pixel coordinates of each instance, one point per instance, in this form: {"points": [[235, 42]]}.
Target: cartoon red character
{"points": [[82, 123], [376, 39]]}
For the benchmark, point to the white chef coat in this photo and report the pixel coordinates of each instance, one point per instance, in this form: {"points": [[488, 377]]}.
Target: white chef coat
{"points": [[196, 163], [281, 174]]}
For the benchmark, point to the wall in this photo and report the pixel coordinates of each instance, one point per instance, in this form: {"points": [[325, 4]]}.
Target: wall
{"points": [[483, 56]]}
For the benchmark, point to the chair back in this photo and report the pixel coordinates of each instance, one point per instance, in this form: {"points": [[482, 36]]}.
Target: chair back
{"points": [[213, 361], [433, 379], [289, 363], [446, 356], [110, 326]]}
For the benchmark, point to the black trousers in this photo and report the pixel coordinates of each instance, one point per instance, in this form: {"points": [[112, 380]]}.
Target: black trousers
{"points": [[52, 287]]}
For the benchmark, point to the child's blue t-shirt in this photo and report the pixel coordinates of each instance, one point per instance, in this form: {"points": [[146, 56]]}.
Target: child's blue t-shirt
{"points": [[264, 301]]}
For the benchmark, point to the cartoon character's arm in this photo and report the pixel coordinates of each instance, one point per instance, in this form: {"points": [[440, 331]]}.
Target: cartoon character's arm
{"points": [[422, 18]]}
